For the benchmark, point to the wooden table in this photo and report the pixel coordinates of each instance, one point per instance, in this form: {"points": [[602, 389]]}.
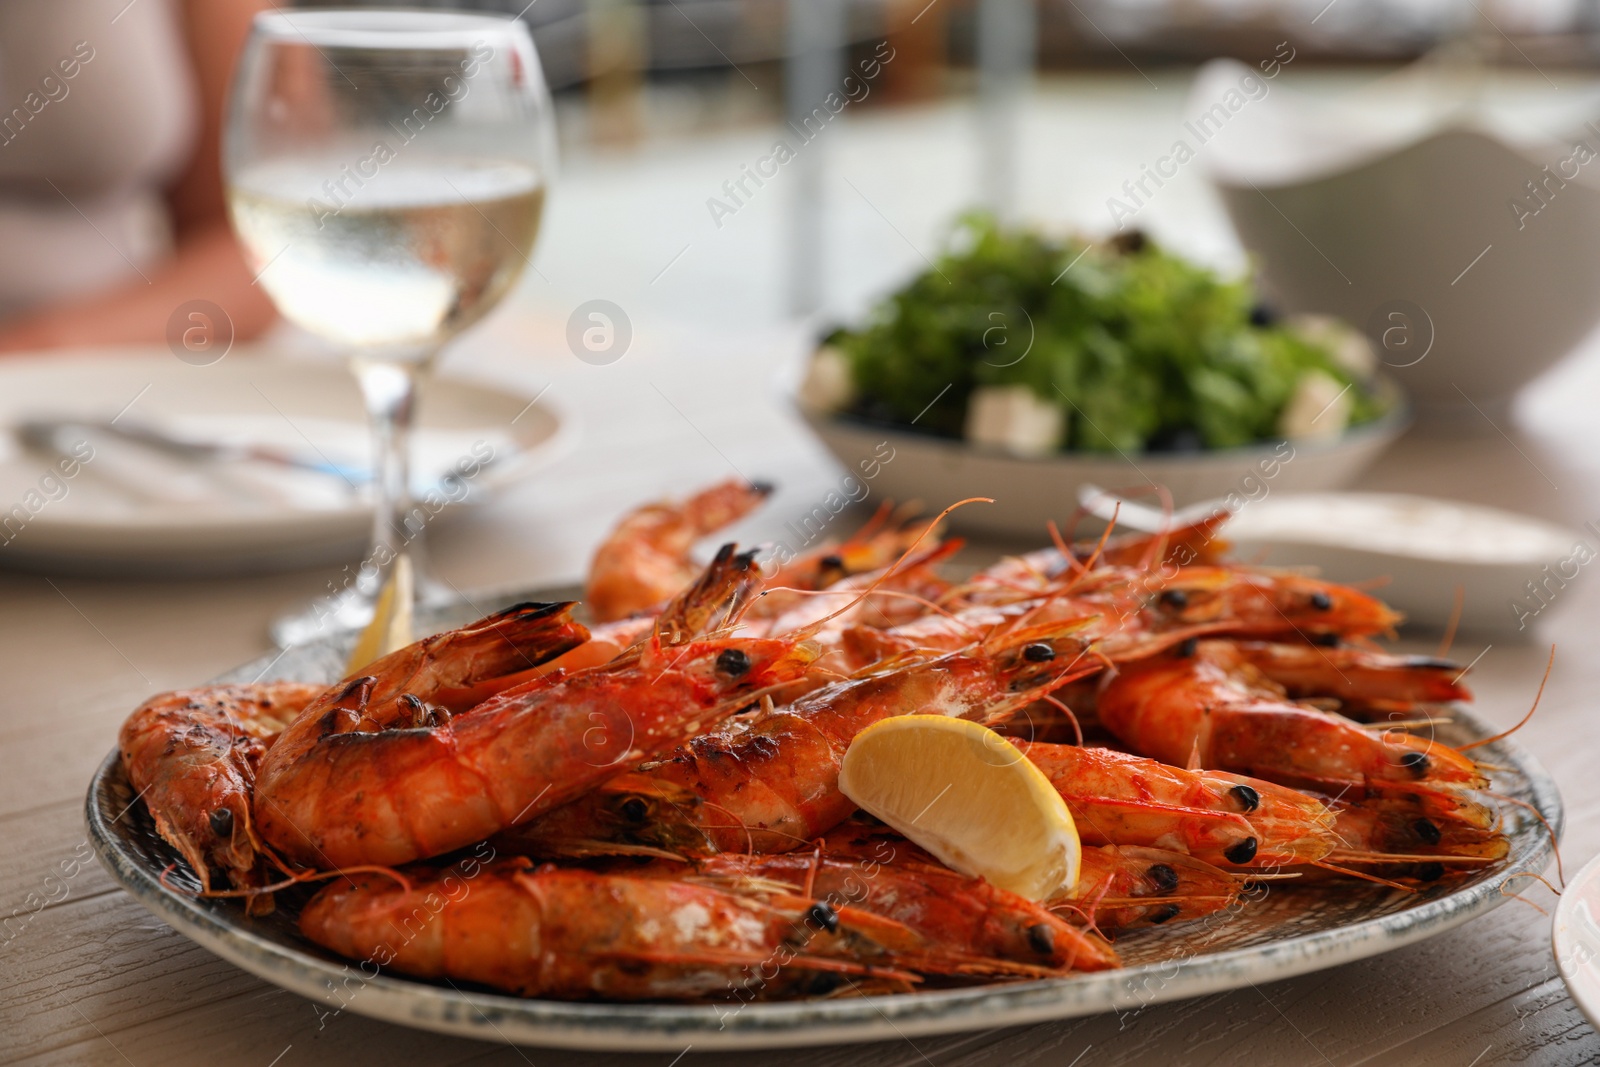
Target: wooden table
{"points": [[92, 977]]}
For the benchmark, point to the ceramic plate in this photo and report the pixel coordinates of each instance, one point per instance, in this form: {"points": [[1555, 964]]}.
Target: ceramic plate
{"points": [[129, 509], [1287, 932]]}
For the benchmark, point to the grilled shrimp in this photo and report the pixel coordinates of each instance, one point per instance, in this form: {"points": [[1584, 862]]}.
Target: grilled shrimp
{"points": [[877, 545], [774, 784], [1200, 707], [345, 795], [1118, 799], [1362, 680], [958, 914], [1120, 887], [1262, 603], [1043, 570], [577, 934], [192, 755], [645, 559]]}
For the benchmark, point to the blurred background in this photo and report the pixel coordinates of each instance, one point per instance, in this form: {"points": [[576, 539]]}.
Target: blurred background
{"points": [[1411, 172]]}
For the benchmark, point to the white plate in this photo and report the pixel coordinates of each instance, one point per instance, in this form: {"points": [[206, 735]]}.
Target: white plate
{"points": [[1286, 932], [1576, 936], [127, 510]]}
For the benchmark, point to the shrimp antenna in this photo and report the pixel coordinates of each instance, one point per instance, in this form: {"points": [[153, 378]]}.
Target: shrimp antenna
{"points": [[294, 879], [1158, 546], [1505, 890], [1325, 865], [815, 627], [1503, 734], [893, 593], [1077, 729], [1455, 621], [1064, 548], [1105, 536]]}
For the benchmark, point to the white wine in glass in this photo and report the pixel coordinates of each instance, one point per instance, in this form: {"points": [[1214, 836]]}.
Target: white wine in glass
{"points": [[386, 173]]}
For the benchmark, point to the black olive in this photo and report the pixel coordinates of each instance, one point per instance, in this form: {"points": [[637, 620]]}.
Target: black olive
{"points": [[733, 662], [1038, 652], [1130, 243], [1176, 439]]}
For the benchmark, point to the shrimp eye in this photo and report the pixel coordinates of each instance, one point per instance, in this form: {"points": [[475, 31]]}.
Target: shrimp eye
{"points": [[221, 821], [1176, 599], [1321, 601], [1042, 939], [1248, 798], [831, 563], [1188, 648], [1243, 852], [733, 662], [635, 809], [1430, 872], [1427, 831], [1416, 762], [1039, 652], [1325, 640], [1161, 915], [824, 916], [1164, 878]]}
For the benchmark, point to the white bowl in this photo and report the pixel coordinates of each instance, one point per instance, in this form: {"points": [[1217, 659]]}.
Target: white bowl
{"points": [[1027, 493], [1408, 228]]}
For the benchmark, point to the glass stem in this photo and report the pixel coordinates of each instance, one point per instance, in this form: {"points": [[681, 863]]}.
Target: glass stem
{"points": [[389, 390]]}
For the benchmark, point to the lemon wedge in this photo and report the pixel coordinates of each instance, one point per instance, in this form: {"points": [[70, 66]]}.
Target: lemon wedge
{"points": [[968, 796], [390, 629]]}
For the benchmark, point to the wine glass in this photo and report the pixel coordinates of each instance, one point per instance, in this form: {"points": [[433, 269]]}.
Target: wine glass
{"points": [[385, 173]]}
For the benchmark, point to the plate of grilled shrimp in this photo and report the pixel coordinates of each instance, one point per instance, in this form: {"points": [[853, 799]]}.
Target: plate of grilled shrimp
{"points": [[612, 819]]}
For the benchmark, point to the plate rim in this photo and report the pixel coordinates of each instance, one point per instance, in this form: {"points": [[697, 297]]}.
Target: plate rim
{"points": [[624, 1027]]}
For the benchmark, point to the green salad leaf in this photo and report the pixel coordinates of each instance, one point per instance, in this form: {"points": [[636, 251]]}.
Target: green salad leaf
{"points": [[1142, 349]]}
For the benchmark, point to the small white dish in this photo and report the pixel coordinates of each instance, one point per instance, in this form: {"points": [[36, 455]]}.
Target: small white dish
{"points": [[127, 509], [1575, 936], [1425, 550]]}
